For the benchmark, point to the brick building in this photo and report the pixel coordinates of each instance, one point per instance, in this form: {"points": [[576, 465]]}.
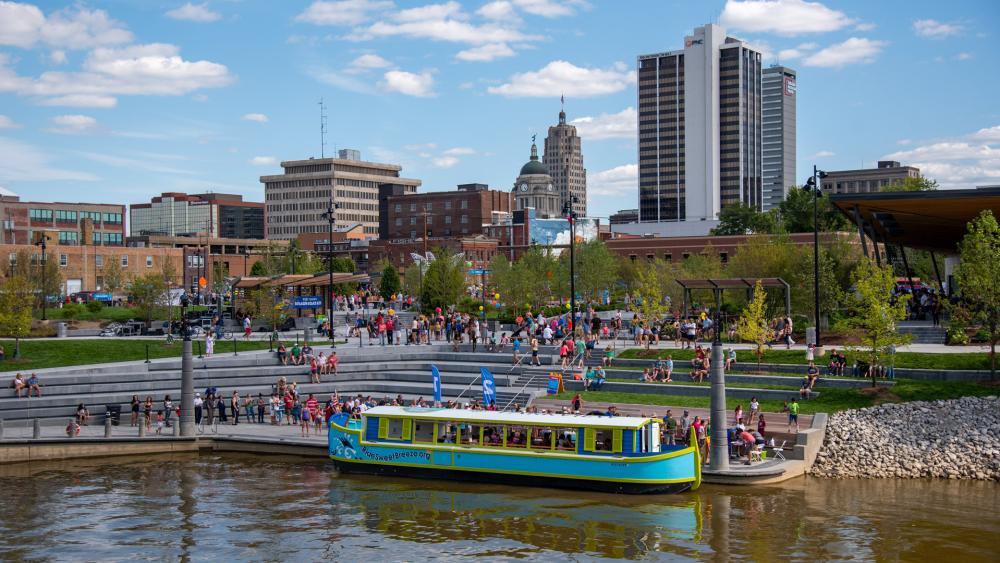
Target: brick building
{"points": [[477, 249], [460, 213], [95, 224], [82, 266], [677, 249]]}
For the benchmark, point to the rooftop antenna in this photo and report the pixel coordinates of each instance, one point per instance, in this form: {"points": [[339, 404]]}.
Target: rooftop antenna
{"points": [[322, 129]]}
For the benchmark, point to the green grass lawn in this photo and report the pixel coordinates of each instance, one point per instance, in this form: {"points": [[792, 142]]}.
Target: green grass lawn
{"points": [[829, 401], [38, 354], [120, 314], [922, 360], [686, 381]]}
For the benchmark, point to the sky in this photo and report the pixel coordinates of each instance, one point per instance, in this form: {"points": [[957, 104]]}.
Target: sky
{"points": [[118, 101]]}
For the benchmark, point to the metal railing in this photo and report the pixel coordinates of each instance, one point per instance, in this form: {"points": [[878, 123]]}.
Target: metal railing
{"points": [[531, 378], [467, 387]]}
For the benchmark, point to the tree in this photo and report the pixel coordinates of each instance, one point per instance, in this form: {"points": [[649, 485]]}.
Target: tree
{"points": [[978, 276], [742, 219], [44, 279], [596, 269], [16, 298], [910, 184], [114, 277], [389, 284], [258, 269], [752, 324], [650, 291], [444, 281], [796, 213], [876, 311], [265, 303], [147, 294]]}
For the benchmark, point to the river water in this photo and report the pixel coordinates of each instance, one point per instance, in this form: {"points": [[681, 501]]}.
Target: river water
{"points": [[236, 507]]}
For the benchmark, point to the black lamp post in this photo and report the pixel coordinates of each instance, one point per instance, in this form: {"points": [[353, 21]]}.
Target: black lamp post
{"points": [[246, 258], [41, 242], [571, 217], [331, 216], [814, 184]]}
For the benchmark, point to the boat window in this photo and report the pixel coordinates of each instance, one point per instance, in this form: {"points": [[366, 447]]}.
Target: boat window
{"points": [[539, 437], [423, 431], [566, 439], [394, 428], [493, 435], [517, 437], [446, 432], [603, 439], [470, 433]]}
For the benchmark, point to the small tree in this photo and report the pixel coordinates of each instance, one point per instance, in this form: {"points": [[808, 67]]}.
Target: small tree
{"points": [[876, 311], [148, 293], [265, 303], [649, 289], [389, 285], [978, 278], [444, 281], [15, 309], [114, 276], [752, 324]]}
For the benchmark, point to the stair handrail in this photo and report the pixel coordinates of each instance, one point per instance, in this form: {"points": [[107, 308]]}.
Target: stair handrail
{"points": [[467, 387], [523, 387]]}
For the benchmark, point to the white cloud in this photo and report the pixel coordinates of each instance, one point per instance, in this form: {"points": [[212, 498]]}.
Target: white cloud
{"points": [[865, 26], [369, 61], [73, 124], [442, 22], [797, 52], [27, 163], [560, 77], [904, 142], [419, 85], [8, 123], [500, 10], [549, 8], [151, 69], [258, 117], [341, 12], [444, 161], [988, 134], [459, 151], [621, 125], [24, 25], [343, 81], [823, 154], [81, 101], [146, 162], [961, 162], [263, 161], [853, 51], [963, 56], [615, 182], [486, 53], [199, 13], [782, 17], [933, 29], [431, 12], [58, 57]]}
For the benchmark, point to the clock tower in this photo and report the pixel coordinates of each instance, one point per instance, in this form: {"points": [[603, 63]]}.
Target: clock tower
{"points": [[534, 188]]}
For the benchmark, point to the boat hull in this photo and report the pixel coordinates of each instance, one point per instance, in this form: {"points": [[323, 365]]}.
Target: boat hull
{"points": [[346, 466]]}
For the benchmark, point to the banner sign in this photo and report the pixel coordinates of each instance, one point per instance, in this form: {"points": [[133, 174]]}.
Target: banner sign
{"points": [[307, 302]]}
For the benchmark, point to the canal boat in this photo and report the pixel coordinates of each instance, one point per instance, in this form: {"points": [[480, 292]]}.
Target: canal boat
{"points": [[618, 454]]}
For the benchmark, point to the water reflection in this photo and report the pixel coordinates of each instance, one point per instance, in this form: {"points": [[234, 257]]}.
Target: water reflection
{"points": [[232, 507]]}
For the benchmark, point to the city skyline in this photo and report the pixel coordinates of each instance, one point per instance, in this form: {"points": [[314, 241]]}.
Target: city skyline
{"points": [[121, 102]]}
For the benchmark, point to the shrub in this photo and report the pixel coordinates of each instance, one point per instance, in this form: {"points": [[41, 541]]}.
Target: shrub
{"points": [[95, 306], [956, 335], [72, 310]]}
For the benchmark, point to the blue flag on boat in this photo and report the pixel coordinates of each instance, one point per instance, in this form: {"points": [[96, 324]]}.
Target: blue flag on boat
{"points": [[437, 383], [489, 387]]}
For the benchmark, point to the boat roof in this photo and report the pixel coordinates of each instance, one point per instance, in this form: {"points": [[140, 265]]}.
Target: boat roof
{"points": [[500, 417]]}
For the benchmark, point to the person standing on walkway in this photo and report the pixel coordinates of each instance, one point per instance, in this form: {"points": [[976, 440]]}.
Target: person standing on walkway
{"points": [[147, 411], [260, 408], [220, 405], [247, 327], [135, 410], [168, 409], [198, 402], [793, 415], [234, 407], [209, 344]]}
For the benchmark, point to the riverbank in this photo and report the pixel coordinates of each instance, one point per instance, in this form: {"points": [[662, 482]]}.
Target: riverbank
{"points": [[954, 439]]}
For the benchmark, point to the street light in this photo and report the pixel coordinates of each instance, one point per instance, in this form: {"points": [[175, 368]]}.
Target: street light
{"points": [[331, 216], [815, 185], [45, 297], [571, 217]]}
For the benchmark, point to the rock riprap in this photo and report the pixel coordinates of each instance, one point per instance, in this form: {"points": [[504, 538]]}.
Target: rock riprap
{"points": [[954, 439]]}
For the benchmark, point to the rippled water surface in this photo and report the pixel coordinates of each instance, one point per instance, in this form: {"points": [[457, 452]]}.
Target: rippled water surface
{"points": [[235, 507]]}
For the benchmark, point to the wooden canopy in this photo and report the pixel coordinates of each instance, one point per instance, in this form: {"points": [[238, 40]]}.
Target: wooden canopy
{"points": [[935, 220]]}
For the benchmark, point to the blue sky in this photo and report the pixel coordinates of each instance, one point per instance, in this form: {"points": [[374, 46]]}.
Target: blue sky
{"points": [[118, 101]]}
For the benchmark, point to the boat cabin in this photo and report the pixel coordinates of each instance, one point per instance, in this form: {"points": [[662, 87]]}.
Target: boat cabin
{"points": [[456, 428]]}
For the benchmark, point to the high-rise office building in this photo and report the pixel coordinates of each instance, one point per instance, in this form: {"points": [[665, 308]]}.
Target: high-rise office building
{"points": [[209, 214], [297, 199], [564, 158], [699, 130], [778, 88]]}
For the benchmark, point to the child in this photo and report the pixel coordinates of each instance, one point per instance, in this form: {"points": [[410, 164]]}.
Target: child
{"points": [[314, 370], [609, 356], [303, 418], [159, 421]]}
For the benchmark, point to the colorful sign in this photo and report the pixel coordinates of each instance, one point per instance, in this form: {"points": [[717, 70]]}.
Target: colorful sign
{"points": [[307, 302]]}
